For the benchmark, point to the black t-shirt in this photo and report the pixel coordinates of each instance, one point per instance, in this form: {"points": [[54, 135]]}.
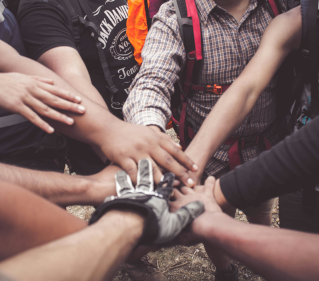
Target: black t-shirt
{"points": [[290, 165], [15, 137], [46, 25]]}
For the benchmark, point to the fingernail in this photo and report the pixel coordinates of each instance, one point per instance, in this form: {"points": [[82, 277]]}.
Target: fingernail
{"points": [[51, 130], [190, 182], [195, 167], [81, 108], [69, 120], [179, 146], [78, 99]]}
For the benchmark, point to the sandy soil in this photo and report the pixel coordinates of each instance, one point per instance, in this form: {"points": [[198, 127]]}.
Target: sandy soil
{"points": [[179, 263]]}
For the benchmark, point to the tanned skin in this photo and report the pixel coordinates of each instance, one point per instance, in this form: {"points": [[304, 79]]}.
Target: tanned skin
{"points": [[122, 143], [276, 254]]}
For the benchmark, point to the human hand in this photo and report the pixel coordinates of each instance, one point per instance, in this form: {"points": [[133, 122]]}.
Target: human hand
{"points": [[32, 95], [126, 144], [201, 193], [161, 226]]}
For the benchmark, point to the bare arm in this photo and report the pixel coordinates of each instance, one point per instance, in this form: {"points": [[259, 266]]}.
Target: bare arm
{"points": [[94, 253], [61, 189], [120, 142], [276, 254], [67, 63], [280, 38]]}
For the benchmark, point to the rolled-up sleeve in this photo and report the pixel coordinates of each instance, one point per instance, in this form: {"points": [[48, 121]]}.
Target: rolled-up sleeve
{"points": [[163, 58]]}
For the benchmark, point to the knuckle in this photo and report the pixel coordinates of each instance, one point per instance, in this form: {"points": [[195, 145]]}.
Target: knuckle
{"points": [[33, 116], [45, 110], [169, 161]]}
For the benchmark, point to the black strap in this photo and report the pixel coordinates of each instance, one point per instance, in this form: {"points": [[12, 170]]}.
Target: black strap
{"points": [[93, 25], [312, 40], [75, 22], [147, 12]]}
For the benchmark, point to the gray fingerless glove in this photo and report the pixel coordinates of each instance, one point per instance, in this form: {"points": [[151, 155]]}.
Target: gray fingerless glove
{"points": [[161, 226]]}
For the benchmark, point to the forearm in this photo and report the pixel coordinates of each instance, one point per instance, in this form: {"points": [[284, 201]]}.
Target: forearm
{"points": [[163, 58], [73, 72], [61, 189], [92, 254], [226, 116], [235, 104], [88, 128], [277, 254], [290, 165]]}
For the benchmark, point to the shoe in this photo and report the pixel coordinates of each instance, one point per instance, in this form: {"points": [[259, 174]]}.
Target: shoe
{"points": [[139, 273], [227, 276]]}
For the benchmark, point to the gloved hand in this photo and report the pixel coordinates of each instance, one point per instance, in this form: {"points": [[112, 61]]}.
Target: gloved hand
{"points": [[161, 226]]}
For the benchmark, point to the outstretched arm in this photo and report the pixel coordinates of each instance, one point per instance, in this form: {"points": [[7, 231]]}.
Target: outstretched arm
{"points": [[122, 143], [276, 254], [61, 189], [281, 37], [290, 165], [94, 253]]}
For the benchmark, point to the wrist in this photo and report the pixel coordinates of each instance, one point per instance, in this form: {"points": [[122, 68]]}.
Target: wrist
{"points": [[220, 198], [205, 226], [155, 128], [198, 158], [131, 221]]}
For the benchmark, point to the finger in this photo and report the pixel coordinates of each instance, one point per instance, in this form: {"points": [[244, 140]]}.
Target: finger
{"points": [[57, 102], [176, 183], [195, 209], [48, 112], [209, 185], [169, 163], [35, 119], [145, 175], [129, 166], [175, 222], [186, 190], [44, 80], [199, 188], [177, 193], [64, 94], [178, 154], [123, 183], [157, 173], [165, 187]]}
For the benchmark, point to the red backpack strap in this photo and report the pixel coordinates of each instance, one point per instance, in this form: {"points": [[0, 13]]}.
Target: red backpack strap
{"points": [[192, 12], [274, 7]]}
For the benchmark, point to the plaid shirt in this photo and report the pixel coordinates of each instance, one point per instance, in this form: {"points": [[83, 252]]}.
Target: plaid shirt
{"points": [[228, 46]]}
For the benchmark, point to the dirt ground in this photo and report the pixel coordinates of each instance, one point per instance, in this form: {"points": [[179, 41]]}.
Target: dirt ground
{"points": [[179, 263]]}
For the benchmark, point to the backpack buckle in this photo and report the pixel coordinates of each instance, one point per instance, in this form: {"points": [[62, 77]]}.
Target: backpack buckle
{"points": [[305, 54], [75, 20], [215, 89]]}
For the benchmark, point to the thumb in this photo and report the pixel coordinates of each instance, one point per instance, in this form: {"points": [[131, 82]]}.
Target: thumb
{"points": [[175, 222], [190, 212], [165, 187]]}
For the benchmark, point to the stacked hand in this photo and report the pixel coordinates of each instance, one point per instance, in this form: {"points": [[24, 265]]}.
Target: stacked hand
{"points": [[161, 226], [205, 194], [31, 96]]}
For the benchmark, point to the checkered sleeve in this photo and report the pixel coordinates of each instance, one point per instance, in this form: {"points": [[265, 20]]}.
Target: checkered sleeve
{"points": [[163, 57]]}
